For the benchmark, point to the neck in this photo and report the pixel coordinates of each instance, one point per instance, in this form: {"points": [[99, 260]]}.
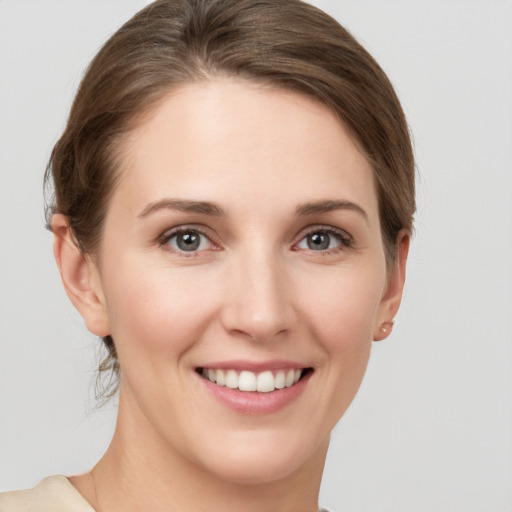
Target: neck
{"points": [[140, 472]]}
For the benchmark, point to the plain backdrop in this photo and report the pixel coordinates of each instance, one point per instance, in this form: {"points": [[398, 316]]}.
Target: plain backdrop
{"points": [[431, 428]]}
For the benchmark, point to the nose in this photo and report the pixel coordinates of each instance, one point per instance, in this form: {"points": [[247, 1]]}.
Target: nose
{"points": [[258, 297]]}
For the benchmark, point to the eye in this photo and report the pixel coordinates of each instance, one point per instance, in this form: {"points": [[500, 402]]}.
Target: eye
{"points": [[186, 240], [324, 239]]}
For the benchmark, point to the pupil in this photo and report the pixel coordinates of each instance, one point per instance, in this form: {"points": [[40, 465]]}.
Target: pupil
{"points": [[188, 241], [318, 241]]}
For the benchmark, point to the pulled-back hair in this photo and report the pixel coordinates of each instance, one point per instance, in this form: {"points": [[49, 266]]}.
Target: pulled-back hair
{"points": [[285, 44]]}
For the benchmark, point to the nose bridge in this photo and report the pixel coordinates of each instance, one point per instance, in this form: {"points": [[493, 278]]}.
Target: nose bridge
{"points": [[258, 295]]}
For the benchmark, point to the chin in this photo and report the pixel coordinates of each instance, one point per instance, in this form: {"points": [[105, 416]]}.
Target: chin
{"points": [[263, 461], [250, 472]]}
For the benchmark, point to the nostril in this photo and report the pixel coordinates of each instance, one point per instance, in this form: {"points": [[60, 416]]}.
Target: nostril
{"points": [[261, 311]]}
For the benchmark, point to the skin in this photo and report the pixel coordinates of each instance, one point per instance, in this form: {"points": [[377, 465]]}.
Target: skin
{"points": [[254, 290]]}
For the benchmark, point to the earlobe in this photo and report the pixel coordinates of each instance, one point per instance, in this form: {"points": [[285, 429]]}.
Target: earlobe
{"points": [[80, 277], [392, 297]]}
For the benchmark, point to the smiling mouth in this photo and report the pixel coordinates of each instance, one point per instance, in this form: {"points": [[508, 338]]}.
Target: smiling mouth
{"points": [[262, 382]]}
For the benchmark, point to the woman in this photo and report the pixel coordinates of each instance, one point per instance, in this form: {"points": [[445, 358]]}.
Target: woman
{"points": [[234, 194]]}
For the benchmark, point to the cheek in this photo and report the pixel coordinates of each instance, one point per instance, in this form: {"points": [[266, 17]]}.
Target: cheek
{"points": [[158, 310], [343, 310], [342, 316]]}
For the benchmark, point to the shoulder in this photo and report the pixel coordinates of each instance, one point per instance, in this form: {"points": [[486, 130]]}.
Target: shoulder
{"points": [[53, 494]]}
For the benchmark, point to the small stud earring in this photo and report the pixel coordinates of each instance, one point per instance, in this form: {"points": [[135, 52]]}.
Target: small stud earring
{"points": [[386, 327]]}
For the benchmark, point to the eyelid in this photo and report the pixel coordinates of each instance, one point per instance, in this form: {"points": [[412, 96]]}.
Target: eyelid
{"points": [[164, 238], [347, 241]]}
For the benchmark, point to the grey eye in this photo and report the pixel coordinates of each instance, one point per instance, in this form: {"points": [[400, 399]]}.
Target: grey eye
{"points": [[318, 241], [188, 241]]}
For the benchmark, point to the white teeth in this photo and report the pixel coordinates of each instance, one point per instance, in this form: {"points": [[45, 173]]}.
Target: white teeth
{"points": [[231, 379], [247, 381], [220, 378], [279, 380], [264, 382]]}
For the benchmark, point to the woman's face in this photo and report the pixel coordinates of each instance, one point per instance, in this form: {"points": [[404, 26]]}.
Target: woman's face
{"points": [[242, 244]]}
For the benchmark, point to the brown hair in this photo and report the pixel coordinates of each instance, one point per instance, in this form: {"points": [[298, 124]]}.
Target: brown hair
{"points": [[283, 43]]}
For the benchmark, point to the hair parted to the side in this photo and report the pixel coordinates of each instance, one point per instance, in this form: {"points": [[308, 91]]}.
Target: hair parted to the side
{"points": [[285, 44]]}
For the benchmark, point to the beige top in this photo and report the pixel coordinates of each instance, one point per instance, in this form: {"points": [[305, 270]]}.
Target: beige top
{"points": [[53, 494]]}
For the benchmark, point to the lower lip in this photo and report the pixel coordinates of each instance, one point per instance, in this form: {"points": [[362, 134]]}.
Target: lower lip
{"points": [[253, 402]]}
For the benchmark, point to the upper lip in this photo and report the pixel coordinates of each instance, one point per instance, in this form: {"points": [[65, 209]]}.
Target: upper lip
{"points": [[254, 366]]}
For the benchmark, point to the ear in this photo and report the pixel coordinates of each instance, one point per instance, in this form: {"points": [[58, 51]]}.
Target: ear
{"points": [[80, 277], [390, 302]]}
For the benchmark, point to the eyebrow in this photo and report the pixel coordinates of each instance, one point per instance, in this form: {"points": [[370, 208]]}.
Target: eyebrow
{"points": [[183, 205], [208, 208], [317, 207]]}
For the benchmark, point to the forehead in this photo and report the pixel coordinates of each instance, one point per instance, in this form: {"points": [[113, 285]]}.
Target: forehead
{"points": [[236, 142]]}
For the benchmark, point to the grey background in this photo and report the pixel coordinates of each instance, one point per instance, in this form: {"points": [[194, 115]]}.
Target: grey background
{"points": [[431, 428]]}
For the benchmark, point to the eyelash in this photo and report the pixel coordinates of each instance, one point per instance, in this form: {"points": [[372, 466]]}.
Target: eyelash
{"points": [[166, 237], [344, 239]]}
